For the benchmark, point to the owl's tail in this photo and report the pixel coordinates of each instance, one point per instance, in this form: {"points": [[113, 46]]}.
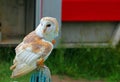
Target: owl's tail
{"points": [[22, 69], [13, 66]]}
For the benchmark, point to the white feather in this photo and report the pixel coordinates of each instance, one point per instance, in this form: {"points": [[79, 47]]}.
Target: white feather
{"points": [[27, 57]]}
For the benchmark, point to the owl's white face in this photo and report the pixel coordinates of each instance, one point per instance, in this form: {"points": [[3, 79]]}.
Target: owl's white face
{"points": [[48, 28]]}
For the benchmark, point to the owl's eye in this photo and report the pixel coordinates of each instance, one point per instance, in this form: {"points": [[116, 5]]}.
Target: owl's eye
{"points": [[48, 25]]}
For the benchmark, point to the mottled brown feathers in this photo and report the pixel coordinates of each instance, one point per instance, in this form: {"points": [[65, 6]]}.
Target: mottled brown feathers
{"points": [[35, 42]]}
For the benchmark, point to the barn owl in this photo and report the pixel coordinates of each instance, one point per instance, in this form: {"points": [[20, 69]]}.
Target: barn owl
{"points": [[35, 47]]}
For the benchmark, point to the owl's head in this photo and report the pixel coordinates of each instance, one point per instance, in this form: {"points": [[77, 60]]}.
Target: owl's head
{"points": [[48, 28]]}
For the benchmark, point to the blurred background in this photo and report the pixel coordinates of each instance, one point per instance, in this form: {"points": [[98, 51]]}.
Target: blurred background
{"points": [[88, 48]]}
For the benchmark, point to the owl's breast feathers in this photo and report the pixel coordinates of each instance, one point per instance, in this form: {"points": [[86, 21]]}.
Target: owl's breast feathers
{"points": [[35, 44]]}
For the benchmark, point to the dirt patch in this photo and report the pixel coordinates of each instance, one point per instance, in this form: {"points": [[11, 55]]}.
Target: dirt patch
{"points": [[56, 78]]}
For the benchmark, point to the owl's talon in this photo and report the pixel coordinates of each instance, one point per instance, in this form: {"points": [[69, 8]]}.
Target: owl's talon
{"points": [[53, 42], [40, 62]]}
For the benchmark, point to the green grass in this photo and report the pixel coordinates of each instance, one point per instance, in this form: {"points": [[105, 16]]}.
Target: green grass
{"points": [[5, 74], [89, 63]]}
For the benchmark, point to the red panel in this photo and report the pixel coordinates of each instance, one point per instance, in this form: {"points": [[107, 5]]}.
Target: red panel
{"points": [[91, 10]]}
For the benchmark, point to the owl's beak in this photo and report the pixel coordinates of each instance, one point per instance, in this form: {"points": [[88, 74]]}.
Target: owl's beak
{"points": [[44, 30]]}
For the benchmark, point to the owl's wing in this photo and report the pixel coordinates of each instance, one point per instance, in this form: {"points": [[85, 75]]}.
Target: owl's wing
{"points": [[27, 55]]}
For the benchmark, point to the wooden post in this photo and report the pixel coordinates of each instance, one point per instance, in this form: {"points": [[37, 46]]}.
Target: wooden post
{"points": [[0, 35], [0, 32], [41, 75], [116, 36]]}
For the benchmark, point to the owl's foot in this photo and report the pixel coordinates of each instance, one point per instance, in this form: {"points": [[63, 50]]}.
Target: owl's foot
{"points": [[53, 42], [40, 62]]}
